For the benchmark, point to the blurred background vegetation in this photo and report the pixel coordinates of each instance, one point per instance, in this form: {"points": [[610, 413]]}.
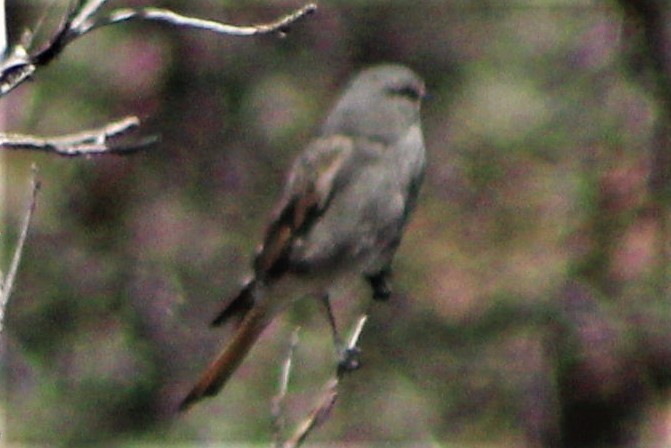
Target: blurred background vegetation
{"points": [[532, 299]]}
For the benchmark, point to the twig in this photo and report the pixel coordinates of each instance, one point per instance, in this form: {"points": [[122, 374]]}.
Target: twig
{"points": [[280, 26], [319, 414], [90, 142], [3, 30], [279, 421], [8, 283], [358, 329], [21, 64]]}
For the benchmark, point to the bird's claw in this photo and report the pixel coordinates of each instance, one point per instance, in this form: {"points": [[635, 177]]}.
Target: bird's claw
{"points": [[350, 360]]}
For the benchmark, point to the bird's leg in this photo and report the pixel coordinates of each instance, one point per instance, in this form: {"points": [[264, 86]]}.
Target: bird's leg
{"points": [[330, 316], [348, 357], [379, 282]]}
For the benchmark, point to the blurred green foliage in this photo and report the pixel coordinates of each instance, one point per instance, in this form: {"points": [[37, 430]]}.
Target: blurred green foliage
{"points": [[538, 133]]}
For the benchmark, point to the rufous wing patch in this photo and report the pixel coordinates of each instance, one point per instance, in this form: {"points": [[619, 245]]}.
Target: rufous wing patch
{"points": [[306, 197]]}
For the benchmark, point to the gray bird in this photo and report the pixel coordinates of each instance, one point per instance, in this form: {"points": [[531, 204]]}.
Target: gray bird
{"points": [[341, 216]]}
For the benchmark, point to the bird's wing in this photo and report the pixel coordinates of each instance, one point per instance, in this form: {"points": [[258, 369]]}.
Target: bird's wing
{"points": [[306, 196]]}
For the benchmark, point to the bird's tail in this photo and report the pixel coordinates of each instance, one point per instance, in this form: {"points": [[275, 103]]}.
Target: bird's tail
{"points": [[239, 306], [221, 369]]}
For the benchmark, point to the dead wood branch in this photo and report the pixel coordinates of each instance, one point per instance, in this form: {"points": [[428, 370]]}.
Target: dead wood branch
{"points": [[90, 142], [326, 402], [83, 18], [7, 283]]}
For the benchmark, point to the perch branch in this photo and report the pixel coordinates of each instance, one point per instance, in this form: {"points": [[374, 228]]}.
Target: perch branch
{"points": [[82, 19], [3, 30], [89, 142], [328, 399], [278, 419], [7, 284]]}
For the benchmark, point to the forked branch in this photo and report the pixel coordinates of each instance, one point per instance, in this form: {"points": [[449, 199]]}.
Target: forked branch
{"points": [[84, 17], [22, 63], [325, 404]]}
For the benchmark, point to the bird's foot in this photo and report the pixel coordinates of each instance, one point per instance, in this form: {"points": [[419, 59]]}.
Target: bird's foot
{"points": [[350, 360], [380, 284]]}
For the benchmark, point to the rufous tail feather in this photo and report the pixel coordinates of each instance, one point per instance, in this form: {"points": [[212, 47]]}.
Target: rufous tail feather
{"points": [[220, 370], [238, 307]]}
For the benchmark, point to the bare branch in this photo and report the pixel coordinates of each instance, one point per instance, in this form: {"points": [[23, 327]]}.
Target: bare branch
{"points": [[328, 399], [90, 142], [15, 69], [279, 26], [3, 30], [358, 329], [277, 410], [21, 65], [82, 15], [317, 416], [7, 285]]}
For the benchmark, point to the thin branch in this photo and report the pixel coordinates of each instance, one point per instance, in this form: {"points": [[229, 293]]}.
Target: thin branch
{"points": [[280, 26], [84, 12], [323, 409], [90, 142], [317, 416], [21, 64], [277, 410], [3, 30], [7, 285]]}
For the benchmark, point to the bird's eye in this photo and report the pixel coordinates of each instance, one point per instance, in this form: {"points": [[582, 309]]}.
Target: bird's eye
{"points": [[409, 91]]}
